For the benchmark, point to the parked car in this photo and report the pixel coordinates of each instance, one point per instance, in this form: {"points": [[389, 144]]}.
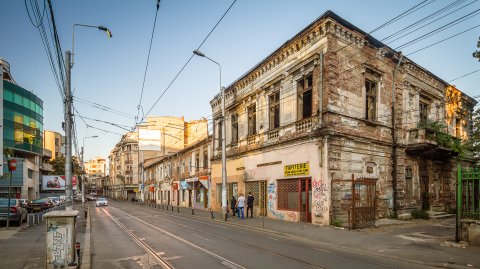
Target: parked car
{"points": [[102, 201], [24, 202], [39, 205], [18, 213], [55, 200]]}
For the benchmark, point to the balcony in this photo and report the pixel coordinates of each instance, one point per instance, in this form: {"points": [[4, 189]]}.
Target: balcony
{"points": [[273, 134], [305, 124], [422, 142], [252, 139]]}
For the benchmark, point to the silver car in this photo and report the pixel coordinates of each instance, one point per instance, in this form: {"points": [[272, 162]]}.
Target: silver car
{"points": [[102, 201], [18, 213]]}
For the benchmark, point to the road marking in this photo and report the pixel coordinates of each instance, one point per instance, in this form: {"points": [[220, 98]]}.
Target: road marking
{"points": [[323, 250], [183, 240], [203, 238]]}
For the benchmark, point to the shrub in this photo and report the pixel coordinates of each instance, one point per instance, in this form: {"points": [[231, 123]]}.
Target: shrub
{"points": [[419, 214], [337, 222]]}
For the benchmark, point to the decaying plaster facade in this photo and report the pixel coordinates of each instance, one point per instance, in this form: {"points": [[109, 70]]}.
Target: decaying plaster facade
{"points": [[331, 86]]}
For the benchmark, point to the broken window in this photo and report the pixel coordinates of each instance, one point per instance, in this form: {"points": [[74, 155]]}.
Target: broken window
{"points": [[252, 120], [458, 127], [371, 100], [234, 128], [423, 108], [304, 102], [274, 111]]}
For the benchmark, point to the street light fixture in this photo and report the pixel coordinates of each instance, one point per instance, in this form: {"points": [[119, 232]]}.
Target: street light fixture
{"points": [[68, 117], [83, 169], [224, 160]]}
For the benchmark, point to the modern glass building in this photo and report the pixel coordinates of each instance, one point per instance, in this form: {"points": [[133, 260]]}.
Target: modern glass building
{"points": [[22, 119]]}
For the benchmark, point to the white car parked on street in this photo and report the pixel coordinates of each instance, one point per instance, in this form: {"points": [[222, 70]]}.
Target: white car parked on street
{"points": [[102, 201]]}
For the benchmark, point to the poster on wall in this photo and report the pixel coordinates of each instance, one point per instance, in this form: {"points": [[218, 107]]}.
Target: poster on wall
{"points": [[57, 183]]}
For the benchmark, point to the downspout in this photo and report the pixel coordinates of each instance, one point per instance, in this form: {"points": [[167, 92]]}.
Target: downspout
{"points": [[394, 139]]}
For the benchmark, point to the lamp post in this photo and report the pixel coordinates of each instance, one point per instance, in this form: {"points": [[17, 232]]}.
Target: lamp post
{"points": [[83, 169], [68, 116], [224, 167]]}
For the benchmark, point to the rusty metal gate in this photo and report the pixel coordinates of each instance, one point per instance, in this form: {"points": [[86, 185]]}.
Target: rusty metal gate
{"points": [[363, 202], [259, 191]]}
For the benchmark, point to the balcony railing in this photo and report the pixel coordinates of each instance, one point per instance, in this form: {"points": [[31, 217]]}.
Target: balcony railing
{"points": [[305, 124], [252, 139], [273, 134]]}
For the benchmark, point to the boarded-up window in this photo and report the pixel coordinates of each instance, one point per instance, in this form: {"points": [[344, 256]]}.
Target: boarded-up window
{"points": [[408, 183]]}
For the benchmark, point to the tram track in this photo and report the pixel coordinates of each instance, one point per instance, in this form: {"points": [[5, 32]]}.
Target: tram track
{"points": [[212, 235]]}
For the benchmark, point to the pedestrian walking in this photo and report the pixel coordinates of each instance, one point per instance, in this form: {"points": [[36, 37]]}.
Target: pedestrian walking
{"points": [[240, 206], [250, 200], [233, 205]]}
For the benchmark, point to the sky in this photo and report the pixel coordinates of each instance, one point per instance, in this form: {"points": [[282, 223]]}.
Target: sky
{"points": [[110, 71]]}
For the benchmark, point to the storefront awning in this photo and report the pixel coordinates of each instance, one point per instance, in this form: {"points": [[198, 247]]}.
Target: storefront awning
{"points": [[184, 185]]}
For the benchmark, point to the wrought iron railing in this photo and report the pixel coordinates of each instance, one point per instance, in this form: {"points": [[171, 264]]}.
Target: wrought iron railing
{"points": [[468, 192]]}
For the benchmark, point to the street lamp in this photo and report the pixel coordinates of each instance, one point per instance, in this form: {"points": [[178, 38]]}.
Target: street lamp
{"points": [[83, 169], [68, 116], [224, 167]]}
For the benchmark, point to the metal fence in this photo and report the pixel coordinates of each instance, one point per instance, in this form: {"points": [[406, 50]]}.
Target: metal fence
{"points": [[468, 192]]}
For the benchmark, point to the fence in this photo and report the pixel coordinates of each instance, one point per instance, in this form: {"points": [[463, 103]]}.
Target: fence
{"points": [[468, 192]]}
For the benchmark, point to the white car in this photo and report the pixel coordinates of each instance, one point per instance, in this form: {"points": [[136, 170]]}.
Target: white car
{"points": [[102, 201]]}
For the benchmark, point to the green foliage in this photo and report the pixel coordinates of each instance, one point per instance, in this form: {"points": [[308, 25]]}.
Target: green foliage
{"points": [[419, 214], [7, 151], [437, 131], [473, 143], [58, 165], [476, 54], [337, 222]]}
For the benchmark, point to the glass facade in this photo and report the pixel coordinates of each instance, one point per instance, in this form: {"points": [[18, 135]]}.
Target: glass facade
{"points": [[22, 119]]}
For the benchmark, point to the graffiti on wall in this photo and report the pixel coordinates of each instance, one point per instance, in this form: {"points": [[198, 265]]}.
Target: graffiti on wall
{"points": [[320, 198]]}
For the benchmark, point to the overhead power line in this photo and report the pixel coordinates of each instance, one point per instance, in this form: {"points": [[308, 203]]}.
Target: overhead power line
{"points": [[462, 76], [187, 62], [139, 106]]}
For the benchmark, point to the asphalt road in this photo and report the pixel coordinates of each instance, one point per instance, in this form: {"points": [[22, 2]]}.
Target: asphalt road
{"points": [[127, 236]]}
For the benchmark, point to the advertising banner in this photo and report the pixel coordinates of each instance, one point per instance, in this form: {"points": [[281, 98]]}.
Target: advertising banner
{"points": [[57, 183], [299, 169]]}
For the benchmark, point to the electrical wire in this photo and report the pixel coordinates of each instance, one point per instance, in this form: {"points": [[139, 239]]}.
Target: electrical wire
{"points": [[146, 65], [187, 62], [462, 76], [103, 107]]}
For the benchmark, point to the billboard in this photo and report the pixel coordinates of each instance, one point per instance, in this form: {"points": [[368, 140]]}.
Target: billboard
{"points": [[57, 183], [149, 139]]}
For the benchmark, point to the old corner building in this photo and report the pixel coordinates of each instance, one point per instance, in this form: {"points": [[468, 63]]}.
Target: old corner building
{"points": [[310, 132]]}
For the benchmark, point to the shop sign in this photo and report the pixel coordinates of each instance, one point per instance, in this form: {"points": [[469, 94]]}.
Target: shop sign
{"points": [[299, 169], [175, 186], [135, 190]]}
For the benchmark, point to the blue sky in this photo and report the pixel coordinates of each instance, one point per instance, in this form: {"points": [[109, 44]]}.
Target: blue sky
{"points": [[110, 71]]}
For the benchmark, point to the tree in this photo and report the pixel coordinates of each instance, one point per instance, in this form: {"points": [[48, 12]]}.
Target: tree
{"points": [[59, 166], [474, 139], [476, 54]]}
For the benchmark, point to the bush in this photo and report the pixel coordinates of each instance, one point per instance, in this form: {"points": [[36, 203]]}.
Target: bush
{"points": [[420, 214], [337, 222]]}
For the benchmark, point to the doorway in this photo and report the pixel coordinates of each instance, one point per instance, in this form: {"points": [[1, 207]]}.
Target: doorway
{"points": [[305, 199]]}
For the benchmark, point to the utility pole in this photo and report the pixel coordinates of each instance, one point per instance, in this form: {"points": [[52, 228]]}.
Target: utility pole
{"points": [[68, 134], [82, 178]]}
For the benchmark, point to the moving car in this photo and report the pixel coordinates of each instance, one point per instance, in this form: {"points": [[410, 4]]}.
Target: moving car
{"points": [[18, 213], [39, 205], [102, 201], [55, 200]]}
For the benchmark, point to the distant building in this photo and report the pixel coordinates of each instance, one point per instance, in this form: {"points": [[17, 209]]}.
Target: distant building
{"points": [[95, 170], [53, 141], [23, 133]]}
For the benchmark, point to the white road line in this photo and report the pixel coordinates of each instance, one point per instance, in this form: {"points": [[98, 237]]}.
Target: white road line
{"points": [[206, 239], [184, 241]]}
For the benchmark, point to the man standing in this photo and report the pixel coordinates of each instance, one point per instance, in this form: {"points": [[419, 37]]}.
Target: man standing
{"points": [[241, 206], [250, 200]]}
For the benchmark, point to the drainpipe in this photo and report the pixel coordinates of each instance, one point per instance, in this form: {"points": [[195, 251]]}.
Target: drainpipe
{"points": [[394, 139]]}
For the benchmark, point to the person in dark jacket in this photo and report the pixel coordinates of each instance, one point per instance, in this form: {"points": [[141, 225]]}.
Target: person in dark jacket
{"points": [[250, 200], [233, 205]]}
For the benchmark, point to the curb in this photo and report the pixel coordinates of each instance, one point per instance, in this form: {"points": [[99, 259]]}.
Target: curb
{"points": [[86, 253]]}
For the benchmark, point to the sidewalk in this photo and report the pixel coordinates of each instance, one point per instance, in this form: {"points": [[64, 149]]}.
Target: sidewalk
{"points": [[25, 247], [427, 242]]}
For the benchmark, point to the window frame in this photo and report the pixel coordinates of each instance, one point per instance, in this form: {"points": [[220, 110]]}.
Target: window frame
{"points": [[234, 126], [304, 88], [252, 119], [274, 110], [372, 96]]}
